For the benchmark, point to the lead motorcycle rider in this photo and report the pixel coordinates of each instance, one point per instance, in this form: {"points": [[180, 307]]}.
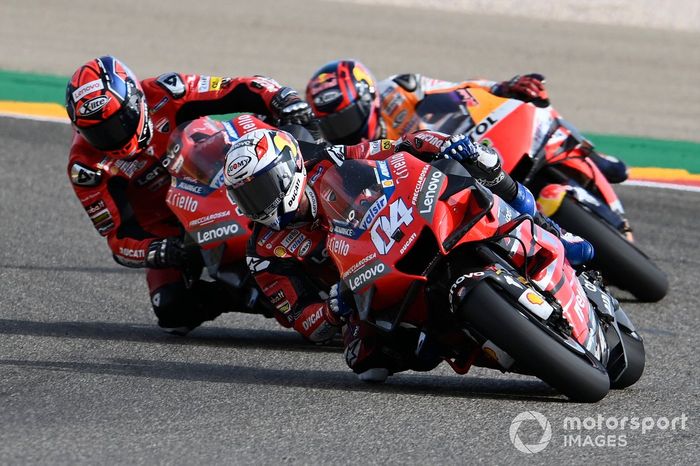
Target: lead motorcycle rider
{"points": [[352, 106], [266, 176], [122, 128]]}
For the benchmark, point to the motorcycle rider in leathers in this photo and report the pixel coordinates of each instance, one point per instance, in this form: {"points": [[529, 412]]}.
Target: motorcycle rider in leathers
{"points": [[352, 106], [122, 128], [279, 189]]}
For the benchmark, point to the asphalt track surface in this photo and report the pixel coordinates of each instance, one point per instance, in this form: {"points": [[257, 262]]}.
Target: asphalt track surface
{"points": [[86, 377]]}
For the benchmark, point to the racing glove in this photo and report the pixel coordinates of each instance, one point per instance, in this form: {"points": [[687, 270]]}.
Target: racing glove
{"points": [[340, 304], [526, 87], [290, 108], [459, 147], [165, 253]]}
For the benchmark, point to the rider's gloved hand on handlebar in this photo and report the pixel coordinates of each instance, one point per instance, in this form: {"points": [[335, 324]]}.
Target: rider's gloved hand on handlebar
{"points": [[165, 253], [290, 108], [459, 147], [526, 87], [340, 304]]}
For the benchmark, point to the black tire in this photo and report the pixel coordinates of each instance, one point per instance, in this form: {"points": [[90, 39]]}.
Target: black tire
{"points": [[534, 349], [636, 357], [621, 263]]}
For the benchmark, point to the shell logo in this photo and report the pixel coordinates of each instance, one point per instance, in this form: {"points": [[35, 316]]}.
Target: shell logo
{"points": [[533, 298]]}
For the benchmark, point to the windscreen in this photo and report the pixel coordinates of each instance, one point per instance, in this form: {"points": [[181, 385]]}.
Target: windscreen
{"points": [[352, 194]]}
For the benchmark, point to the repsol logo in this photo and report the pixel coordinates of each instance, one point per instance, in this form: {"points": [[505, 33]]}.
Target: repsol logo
{"points": [[431, 191], [484, 126], [312, 319], [367, 275], [215, 234]]}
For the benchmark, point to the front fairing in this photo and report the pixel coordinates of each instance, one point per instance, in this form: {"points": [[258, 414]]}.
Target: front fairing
{"points": [[378, 212]]}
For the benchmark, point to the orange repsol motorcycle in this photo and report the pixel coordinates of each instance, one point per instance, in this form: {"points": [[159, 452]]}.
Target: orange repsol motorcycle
{"points": [[437, 262], [552, 158]]}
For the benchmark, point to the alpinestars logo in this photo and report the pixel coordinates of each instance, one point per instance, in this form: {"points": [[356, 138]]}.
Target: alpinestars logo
{"points": [[521, 419]]}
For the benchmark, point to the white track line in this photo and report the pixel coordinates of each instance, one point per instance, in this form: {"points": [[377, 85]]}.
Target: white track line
{"points": [[35, 117], [657, 184]]}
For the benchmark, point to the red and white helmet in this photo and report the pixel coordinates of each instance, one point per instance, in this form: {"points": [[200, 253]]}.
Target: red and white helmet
{"points": [[265, 176], [106, 105]]}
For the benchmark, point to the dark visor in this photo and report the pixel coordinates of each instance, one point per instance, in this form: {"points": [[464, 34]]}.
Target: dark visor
{"points": [[346, 122], [264, 192], [115, 132]]}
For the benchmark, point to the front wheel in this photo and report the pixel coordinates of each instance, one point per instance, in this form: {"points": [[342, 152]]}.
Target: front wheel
{"points": [[579, 377], [622, 264], [636, 357]]}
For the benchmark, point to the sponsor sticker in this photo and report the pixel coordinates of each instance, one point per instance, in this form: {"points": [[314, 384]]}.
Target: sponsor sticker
{"points": [[203, 84], [222, 231], [87, 88], [366, 275], [304, 248], [93, 105]]}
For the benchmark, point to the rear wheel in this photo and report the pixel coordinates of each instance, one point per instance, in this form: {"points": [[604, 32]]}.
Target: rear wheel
{"points": [[622, 264], [578, 376]]}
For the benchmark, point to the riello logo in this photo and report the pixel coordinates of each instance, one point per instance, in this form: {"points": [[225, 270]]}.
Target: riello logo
{"points": [[182, 201]]}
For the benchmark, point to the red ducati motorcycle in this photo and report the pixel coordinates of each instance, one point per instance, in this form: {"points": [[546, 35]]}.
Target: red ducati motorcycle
{"points": [[426, 251], [213, 224], [552, 158]]}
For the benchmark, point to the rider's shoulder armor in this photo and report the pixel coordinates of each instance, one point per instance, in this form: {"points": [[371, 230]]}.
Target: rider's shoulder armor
{"points": [[172, 82], [409, 82]]}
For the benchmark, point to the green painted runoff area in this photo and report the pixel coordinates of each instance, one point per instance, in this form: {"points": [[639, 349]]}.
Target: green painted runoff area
{"points": [[637, 152]]}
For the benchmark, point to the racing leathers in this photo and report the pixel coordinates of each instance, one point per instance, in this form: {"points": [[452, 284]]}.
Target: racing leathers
{"points": [[406, 103], [126, 199], [292, 266]]}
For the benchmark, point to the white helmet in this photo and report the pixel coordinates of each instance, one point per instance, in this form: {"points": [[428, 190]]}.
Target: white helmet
{"points": [[265, 176]]}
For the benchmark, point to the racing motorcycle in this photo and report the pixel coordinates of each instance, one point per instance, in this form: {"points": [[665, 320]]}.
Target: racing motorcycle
{"points": [[551, 157], [436, 261], [216, 231]]}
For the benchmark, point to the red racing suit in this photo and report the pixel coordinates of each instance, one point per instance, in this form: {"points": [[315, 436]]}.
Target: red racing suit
{"points": [[125, 200], [292, 266]]}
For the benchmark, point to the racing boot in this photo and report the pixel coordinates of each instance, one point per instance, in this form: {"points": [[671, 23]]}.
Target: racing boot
{"points": [[577, 250], [614, 169], [180, 310]]}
